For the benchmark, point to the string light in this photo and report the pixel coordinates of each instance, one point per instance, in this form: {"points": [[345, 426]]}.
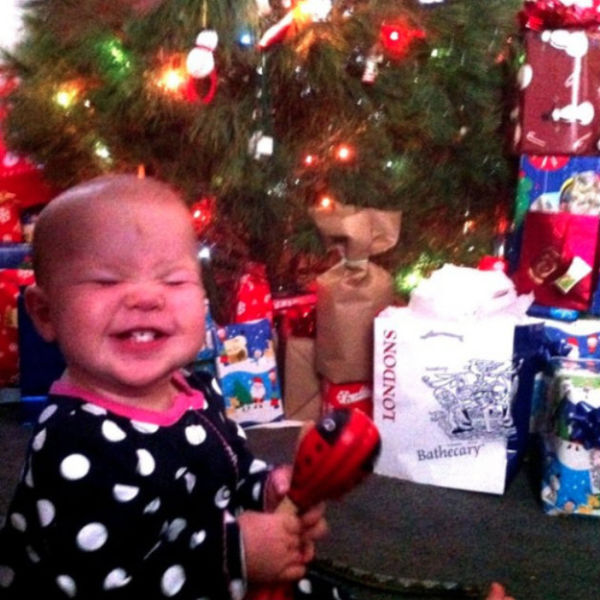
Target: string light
{"points": [[68, 94], [344, 153], [173, 77], [310, 160], [326, 202], [101, 151]]}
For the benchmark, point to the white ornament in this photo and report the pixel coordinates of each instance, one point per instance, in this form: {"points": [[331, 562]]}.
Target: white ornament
{"points": [[200, 60]]}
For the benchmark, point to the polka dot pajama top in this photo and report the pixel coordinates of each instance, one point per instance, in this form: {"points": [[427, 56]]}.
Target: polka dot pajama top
{"points": [[117, 502]]}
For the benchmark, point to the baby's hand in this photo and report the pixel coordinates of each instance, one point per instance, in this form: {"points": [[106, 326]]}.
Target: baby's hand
{"points": [[314, 527], [497, 592], [273, 546], [278, 485]]}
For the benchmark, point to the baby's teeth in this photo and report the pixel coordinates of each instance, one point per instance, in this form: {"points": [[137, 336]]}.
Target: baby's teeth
{"points": [[142, 336]]}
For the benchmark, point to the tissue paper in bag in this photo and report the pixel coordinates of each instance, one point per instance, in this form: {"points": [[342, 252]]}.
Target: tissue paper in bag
{"points": [[452, 395]]}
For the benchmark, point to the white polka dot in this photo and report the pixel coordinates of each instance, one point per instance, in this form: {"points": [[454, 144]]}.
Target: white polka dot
{"points": [[46, 512], [7, 576], [67, 585], [152, 507], [34, 557], [74, 467], [18, 521], [237, 589], [197, 538], [92, 537], [240, 431], [144, 427], [146, 463], [229, 518], [256, 491], [112, 432], [257, 466], [190, 482], [117, 578], [125, 493], [305, 586], [222, 497], [172, 580], [195, 434], [39, 440], [29, 478], [180, 472], [216, 387], [47, 413], [336, 594], [175, 528], [94, 409]]}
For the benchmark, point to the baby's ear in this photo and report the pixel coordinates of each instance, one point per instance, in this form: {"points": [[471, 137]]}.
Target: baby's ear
{"points": [[36, 303]]}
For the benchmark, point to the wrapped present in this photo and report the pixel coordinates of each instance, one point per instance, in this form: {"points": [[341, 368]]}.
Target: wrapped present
{"points": [[552, 14], [253, 300], [11, 281], [558, 259], [10, 218], [302, 394], [570, 436], [19, 177], [247, 371], [294, 315], [559, 93], [453, 378], [209, 350], [351, 293], [358, 395], [579, 339]]}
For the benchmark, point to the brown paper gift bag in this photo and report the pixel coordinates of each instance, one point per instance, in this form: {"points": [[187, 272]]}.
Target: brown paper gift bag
{"points": [[351, 293], [302, 396]]}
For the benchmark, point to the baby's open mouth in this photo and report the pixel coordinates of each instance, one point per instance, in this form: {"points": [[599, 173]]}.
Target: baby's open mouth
{"points": [[141, 336]]}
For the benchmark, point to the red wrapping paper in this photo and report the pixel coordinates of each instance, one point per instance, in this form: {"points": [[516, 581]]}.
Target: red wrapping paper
{"points": [[551, 244], [559, 100], [253, 300], [11, 281], [552, 14]]}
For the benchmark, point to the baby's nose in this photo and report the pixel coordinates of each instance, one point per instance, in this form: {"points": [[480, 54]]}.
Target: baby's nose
{"points": [[145, 297]]}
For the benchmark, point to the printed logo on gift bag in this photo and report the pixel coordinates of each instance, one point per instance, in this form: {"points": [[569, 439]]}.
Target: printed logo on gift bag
{"points": [[476, 400]]}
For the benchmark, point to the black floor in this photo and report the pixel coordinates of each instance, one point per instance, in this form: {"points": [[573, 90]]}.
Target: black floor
{"points": [[407, 531]]}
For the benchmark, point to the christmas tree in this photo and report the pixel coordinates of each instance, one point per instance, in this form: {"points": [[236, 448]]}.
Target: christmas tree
{"points": [[261, 109]]}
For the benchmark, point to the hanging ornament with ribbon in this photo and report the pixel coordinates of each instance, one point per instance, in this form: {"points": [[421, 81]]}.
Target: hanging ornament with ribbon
{"points": [[200, 64]]}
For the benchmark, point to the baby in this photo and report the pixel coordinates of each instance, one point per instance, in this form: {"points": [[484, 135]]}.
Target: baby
{"points": [[135, 484]]}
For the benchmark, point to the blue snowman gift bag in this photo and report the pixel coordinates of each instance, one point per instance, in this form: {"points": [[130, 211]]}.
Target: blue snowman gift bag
{"points": [[570, 438], [247, 371]]}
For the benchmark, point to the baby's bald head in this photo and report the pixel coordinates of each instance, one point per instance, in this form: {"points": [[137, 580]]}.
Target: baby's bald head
{"points": [[70, 217]]}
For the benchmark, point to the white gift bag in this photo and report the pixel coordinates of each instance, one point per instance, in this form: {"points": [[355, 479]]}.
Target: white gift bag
{"points": [[443, 395]]}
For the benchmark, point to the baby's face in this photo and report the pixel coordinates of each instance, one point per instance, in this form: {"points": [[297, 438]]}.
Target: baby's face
{"points": [[127, 303]]}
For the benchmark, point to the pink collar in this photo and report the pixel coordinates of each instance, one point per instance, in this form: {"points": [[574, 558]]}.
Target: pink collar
{"points": [[186, 398]]}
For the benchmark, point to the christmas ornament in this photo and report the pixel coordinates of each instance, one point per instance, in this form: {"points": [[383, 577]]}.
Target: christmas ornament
{"points": [[200, 63], [305, 12], [202, 213], [260, 145], [372, 62]]}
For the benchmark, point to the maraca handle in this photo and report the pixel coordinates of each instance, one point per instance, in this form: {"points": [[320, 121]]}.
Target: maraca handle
{"points": [[332, 457]]}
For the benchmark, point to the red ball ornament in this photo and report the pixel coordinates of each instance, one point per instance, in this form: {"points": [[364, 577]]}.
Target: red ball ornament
{"points": [[203, 213]]}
